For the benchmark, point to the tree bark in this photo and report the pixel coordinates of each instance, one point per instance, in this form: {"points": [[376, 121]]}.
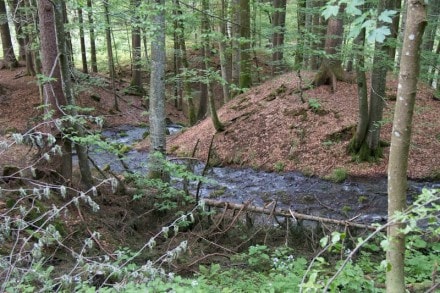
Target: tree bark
{"points": [[362, 90], [92, 37], [381, 61], [187, 90], [8, 49], [53, 93], [224, 55], [400, 141], [245, 45], [331, 69], [136, 67], [111, 63], [19, 17], [157, 93], [207, 66], [82, 41], [279, 27], [301, 23], [235, 58], [81, 150]]}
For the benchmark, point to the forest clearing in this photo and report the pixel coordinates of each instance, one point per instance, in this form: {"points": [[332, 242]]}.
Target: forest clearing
{"points": [[220, 146]]}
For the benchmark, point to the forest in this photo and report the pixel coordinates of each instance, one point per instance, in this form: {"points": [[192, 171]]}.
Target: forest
{"points": [[219, 146]]}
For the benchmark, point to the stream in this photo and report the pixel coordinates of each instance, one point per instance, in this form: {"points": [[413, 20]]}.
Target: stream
{"points": [[364, 199]]}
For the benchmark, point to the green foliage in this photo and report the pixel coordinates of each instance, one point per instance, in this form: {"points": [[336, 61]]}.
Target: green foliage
{"points": [[315, 105], [338, 175], [279, 166]]}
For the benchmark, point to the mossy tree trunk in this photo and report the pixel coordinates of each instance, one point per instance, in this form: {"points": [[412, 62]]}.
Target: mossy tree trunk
{"points": [[368, 148], [245, 45], [400, 142], [362, 90]]}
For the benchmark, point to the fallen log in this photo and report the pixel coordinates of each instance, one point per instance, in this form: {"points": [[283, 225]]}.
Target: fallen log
{"points": [[288, 213]]}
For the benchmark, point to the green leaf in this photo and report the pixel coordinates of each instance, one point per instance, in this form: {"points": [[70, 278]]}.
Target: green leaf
{"points": [[352, 7], [386, 16], [329, 11], [379, 34]]}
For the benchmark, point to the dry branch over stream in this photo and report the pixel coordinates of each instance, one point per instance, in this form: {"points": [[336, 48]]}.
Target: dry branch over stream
{"points": [[288, 213]]}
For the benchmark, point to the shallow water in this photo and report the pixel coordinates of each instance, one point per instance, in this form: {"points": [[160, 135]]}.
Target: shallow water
{"points": [[364, 199]]}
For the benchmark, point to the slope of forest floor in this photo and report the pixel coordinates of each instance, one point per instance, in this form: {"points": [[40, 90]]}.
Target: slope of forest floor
{"points": [[268, 127]]}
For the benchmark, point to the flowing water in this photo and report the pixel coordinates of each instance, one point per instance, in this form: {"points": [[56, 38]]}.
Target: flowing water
{"points": [[361, 199]]}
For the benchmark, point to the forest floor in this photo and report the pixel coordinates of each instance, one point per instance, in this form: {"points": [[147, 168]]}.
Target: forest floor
{"points": [[268, 127]]}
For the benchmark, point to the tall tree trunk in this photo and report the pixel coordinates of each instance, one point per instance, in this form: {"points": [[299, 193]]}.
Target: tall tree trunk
{"points": [[331, 67], [81, 150], [8, 49], [157, 93], [111, 64], [224, 55], [381, 66], [92, 37], [136, 82], [187, 90], [207, 67], [177, 58], [245, 45], [301, 26], [319, 32], [430, 56], [362, 90], [19, 17], [400, 141], [395, 29], [279, 27], [53, 93], [82, 41], [236, 54]]}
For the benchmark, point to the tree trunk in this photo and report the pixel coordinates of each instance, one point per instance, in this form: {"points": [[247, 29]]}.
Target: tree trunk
{"points": [[400, 141], [136, 81], [224, 60], [361, 80], [235, 58], [19, 16], [82, 41], [331, 69], [301, 23], [53, 94], [111, 64], [245, 46], [318, 30], [92, 37], [430, 57], [207, 68], [381, 66], [187, 90], [8, 49], [81, 150], [279, 27], [157, 93]]}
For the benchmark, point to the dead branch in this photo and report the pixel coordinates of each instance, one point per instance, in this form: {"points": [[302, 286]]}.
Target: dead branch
{"points": [[282, 212]]}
